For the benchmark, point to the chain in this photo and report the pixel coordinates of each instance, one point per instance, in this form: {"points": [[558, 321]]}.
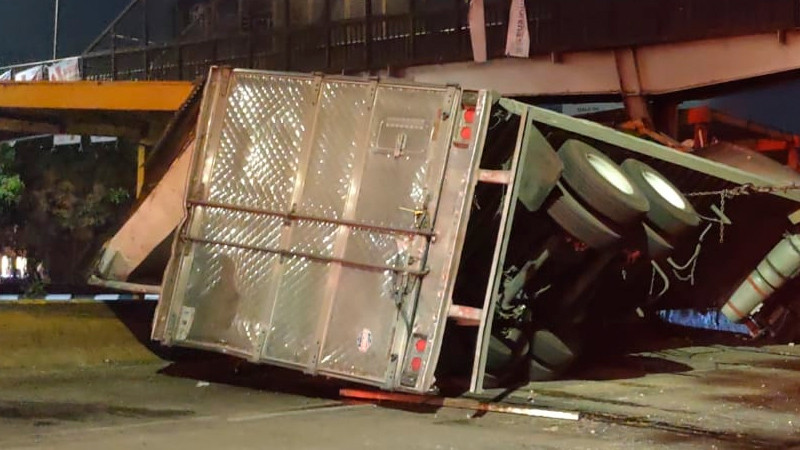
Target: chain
{"points": [[746, 189], [722, 224], [724, 194]]}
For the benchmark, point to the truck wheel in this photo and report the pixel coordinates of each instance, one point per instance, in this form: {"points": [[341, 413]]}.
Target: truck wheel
{"points": [[551, 351], [658, 248], [601, 183], [670, 211], [499, 355], [576, 220], [538, 372], [504, 353]]}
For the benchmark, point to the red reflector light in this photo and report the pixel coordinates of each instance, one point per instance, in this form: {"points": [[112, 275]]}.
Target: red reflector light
{"points": [[416, 363], [466, 133], [421, 344], [469, 115]]}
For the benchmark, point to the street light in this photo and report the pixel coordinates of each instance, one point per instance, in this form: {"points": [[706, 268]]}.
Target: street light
{"points": [[55, 31]]}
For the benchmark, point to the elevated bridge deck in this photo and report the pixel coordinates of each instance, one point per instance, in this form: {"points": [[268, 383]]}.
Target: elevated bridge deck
{"points": [[138, 111]]}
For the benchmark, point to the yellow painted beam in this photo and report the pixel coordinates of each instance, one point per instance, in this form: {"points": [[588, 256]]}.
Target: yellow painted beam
{"points": [[140, 160], [96, 95]]}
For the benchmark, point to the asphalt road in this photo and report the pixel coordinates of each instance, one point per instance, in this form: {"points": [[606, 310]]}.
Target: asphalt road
{"points": [[159, 406]]}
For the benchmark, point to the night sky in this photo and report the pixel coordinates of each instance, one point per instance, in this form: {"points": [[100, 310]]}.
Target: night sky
{"points": [[26, 27], [26, 34]]}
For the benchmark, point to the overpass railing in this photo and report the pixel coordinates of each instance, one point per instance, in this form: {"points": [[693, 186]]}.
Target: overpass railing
{"points": [[440, 35]]}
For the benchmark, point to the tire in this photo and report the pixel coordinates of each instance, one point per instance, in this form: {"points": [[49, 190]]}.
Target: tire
{"points": [[498, 356], [670, 211], [581, 224], [504, 353], [538, 372], [658, 248], [551, 351], [600, 183]]}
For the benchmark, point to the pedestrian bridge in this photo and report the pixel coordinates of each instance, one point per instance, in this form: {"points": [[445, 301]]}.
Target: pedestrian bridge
{"points": [[647, 52]]}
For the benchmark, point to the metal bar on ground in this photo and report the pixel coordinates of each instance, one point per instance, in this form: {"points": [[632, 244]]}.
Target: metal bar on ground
{"points": [[459, 403], [125, 286]]}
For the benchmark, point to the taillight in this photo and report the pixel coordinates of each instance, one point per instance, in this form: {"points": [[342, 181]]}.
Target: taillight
{"points": [[469, 115], [465, 127]]}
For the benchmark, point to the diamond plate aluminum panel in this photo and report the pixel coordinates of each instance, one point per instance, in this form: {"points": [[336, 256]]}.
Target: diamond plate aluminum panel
{"points": [[343, 106], [292, 332], [401, 251], [399, 181], [402, 176], [362, 328], [265, 120], [360, 155], [249, 159], [240, 228], [226, 290], [344, 109]]}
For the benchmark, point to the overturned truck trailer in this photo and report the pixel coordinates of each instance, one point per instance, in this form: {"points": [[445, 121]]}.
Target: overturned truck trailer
{"points": [[390, 233]]}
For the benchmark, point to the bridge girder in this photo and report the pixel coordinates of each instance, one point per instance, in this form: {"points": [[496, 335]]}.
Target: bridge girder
{"points": [[678, 69]]}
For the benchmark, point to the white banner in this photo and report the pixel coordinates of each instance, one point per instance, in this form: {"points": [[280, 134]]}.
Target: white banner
{"points": [[35, 73], [579, 109], [102, 139], [65, 70], [6, 76], [477, 30], [518, 41], [66, 139]]}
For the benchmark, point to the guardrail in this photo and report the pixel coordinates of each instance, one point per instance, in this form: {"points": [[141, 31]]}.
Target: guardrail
{"points": [[77, 298], [377, 42]]}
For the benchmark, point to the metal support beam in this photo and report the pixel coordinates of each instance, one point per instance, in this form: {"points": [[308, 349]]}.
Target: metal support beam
{"points": [[77, 126], [465, 315], [499, 257], [140, 160], [477, 28], [663, 68], [630, 86], [125, 96], [494, 176]]}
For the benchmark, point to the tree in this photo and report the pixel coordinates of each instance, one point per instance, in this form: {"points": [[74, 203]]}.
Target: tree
{"points": [[11, 189], [11, 185], [71, 199]]}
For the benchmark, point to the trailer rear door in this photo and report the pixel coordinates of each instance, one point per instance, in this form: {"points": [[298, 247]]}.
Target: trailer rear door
{"points": [[311, 207]]}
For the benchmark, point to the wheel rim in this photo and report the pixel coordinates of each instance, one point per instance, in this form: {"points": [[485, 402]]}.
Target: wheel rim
{"points": [[611, 173], [664, 189]]}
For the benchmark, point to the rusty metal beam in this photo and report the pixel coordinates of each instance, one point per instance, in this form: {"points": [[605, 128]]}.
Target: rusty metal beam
{"points": [[630, 86]]}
